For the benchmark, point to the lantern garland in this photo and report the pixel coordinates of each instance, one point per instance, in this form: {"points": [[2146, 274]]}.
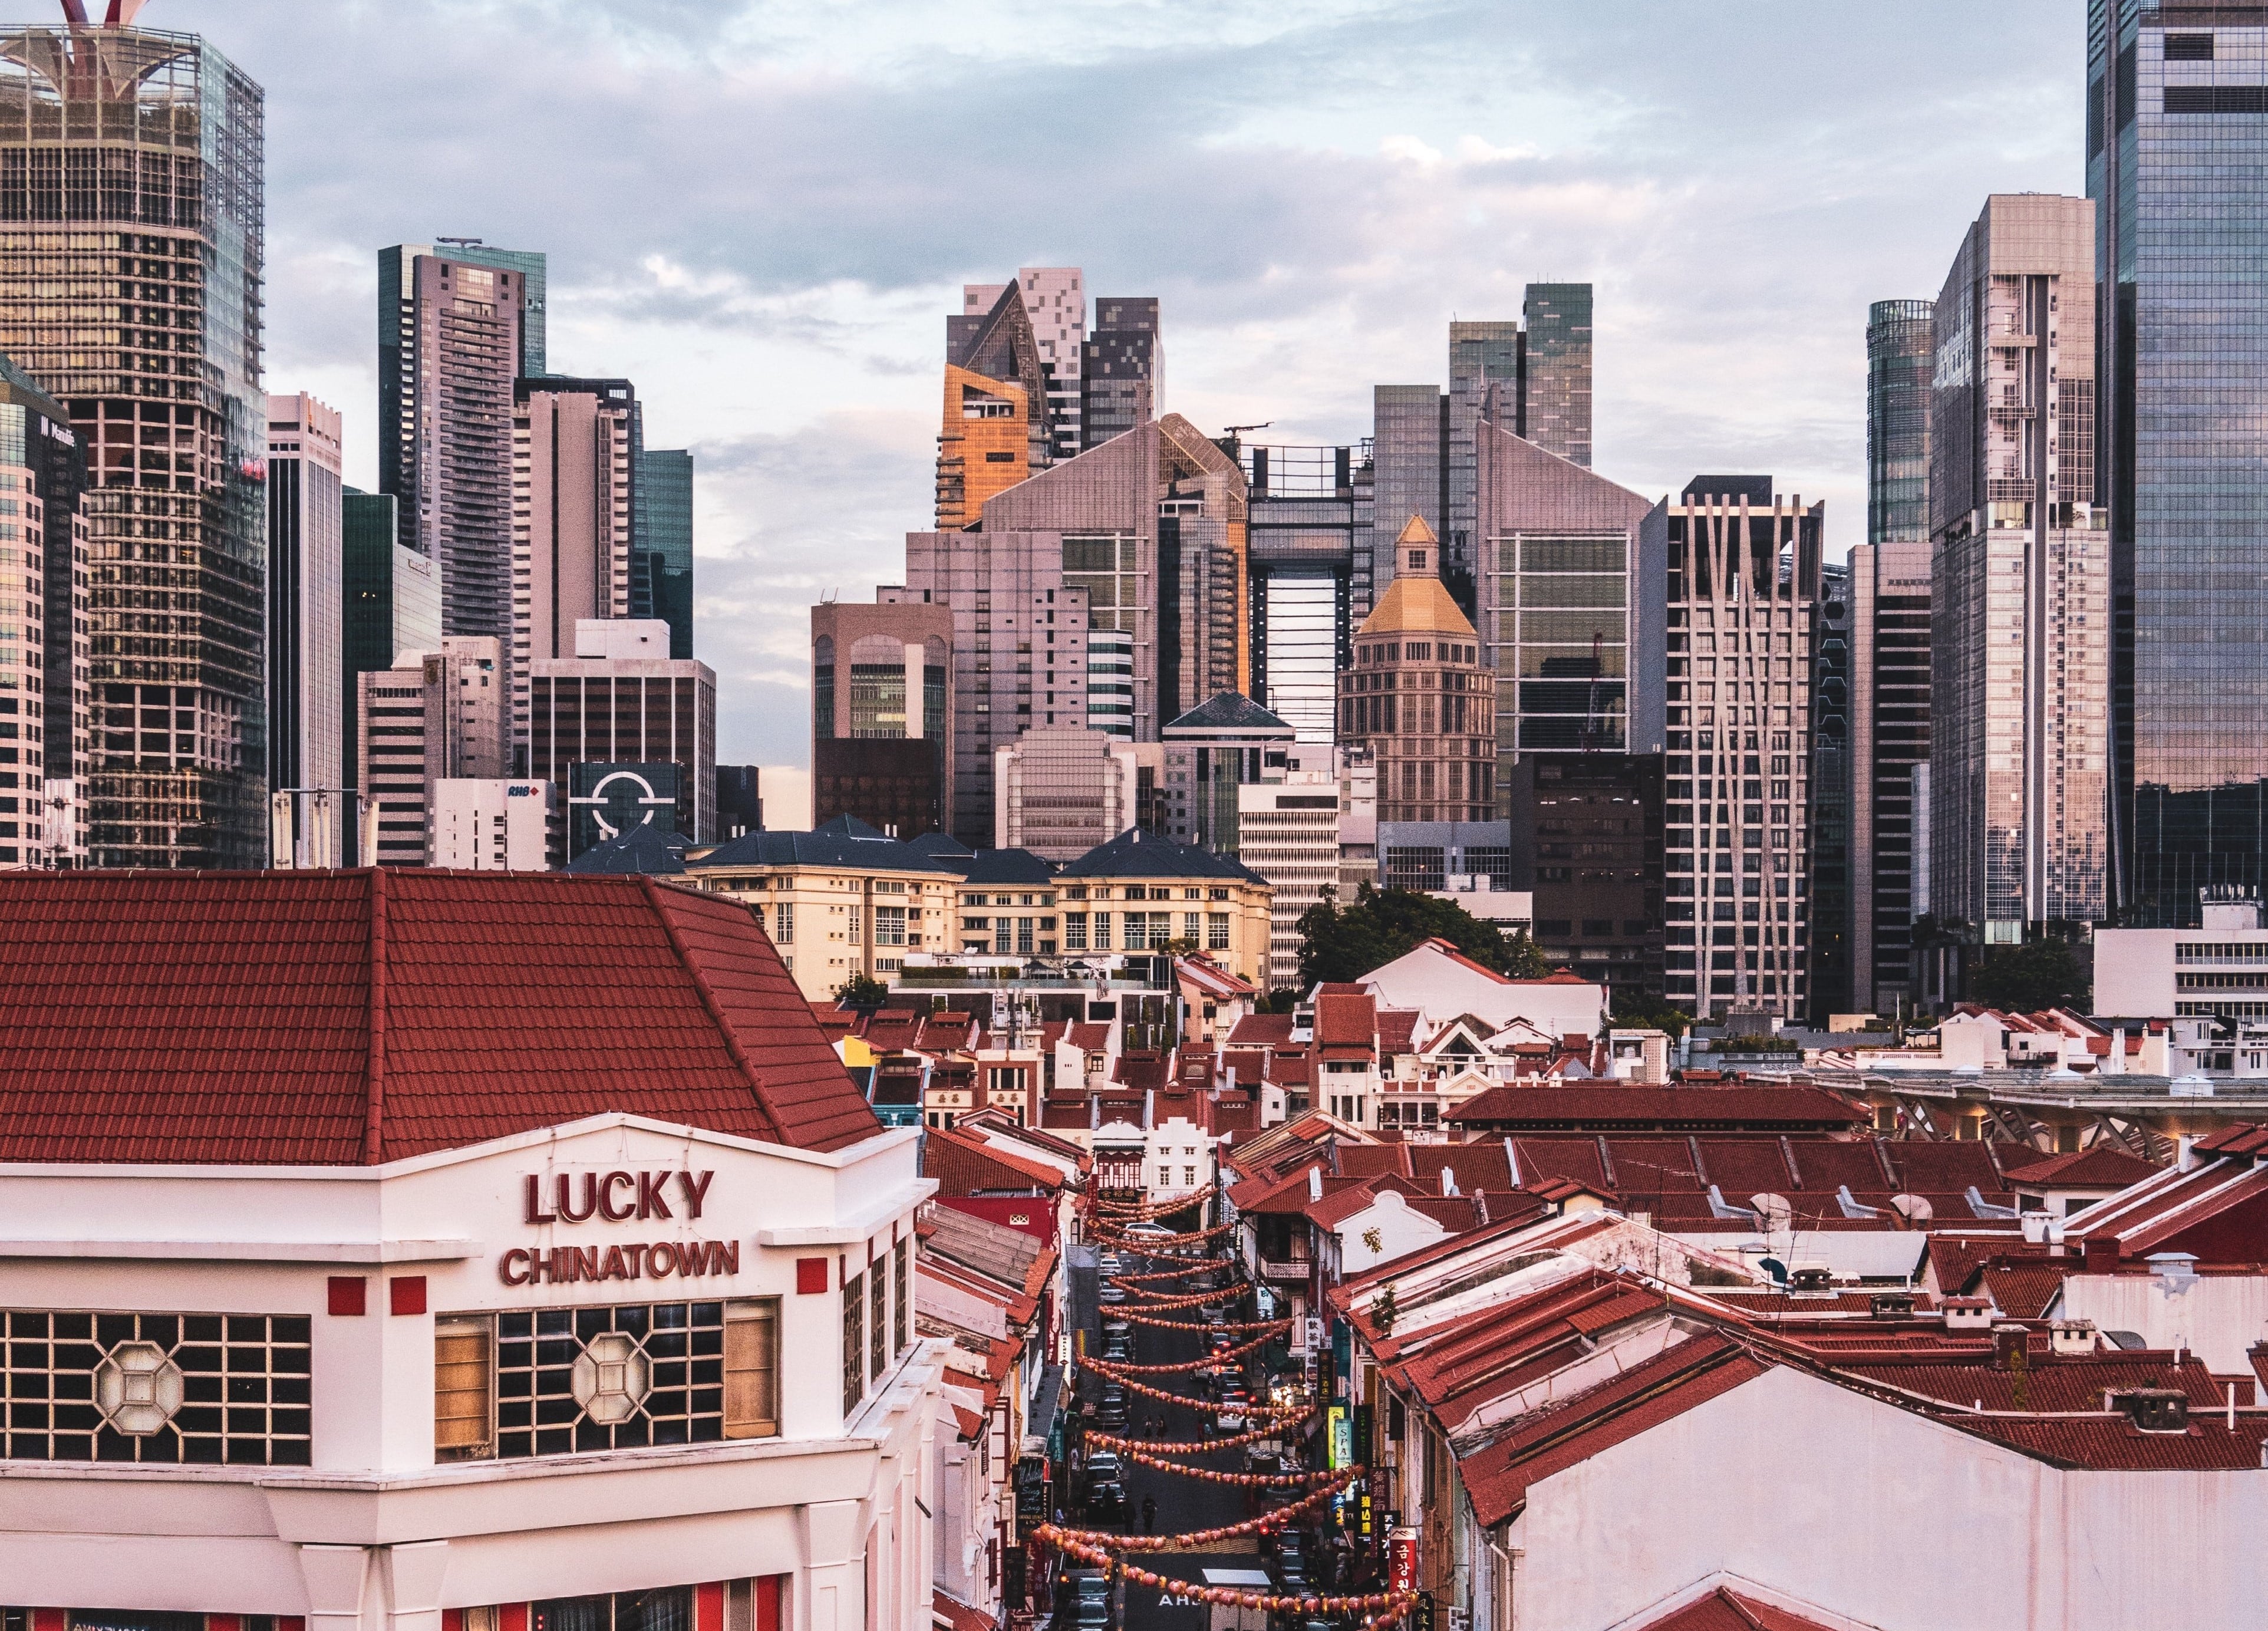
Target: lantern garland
{"points": [[1161, 1302], [1243, 1481], [1140, 1211], [1146, 1243], [1261, 1524], [1195, 1447], [1119, 1310], [1195, 1266], [1111, 1373], [1190, 1367], [1399, 1602]]}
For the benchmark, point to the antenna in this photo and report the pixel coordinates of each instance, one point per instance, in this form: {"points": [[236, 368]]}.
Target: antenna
{"points": [[463, 242], [1230, 430]]}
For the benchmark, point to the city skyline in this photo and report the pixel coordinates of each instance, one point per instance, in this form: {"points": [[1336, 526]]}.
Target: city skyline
{"points": [[792, 346]]}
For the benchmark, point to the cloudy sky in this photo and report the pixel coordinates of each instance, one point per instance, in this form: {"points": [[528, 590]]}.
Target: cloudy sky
{"points": [[761, 212]]}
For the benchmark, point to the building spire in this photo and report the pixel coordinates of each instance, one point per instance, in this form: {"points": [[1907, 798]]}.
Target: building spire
{"points": [[1417, 550]]}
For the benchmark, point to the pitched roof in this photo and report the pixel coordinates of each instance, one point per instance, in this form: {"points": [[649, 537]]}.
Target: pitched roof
{"points": [[945, 851], [1255, 1030], [1725, 1609], [642, 848], [1006, 867], [1135, 853], [349, 1018], [1227, 711], [1621, 1105], [2102, 1166], [846, 841]]}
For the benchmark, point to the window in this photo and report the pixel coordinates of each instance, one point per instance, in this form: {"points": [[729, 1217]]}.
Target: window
{"points": [[1189, 920], [212, 1389], [1215, 931], [1024, 936], [889, 925], [877, 1337], [854, 1345], [464, 1372], [1102, 931], [752, 1368], [609, 1379], [857, 924], [902, 1271], [1002, 927], [667, 1608], [1075, 931], [786, 932]]}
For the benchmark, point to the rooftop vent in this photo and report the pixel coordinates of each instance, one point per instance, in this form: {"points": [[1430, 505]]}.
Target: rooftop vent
{"points": [[1891, 1305], [2155, 1410], [2070, 1338], [1811, 1277], [2010, 1345]]}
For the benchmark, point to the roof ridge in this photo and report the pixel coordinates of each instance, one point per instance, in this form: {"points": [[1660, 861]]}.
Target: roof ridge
{"points": [[709, 1005], [374, 1128]]}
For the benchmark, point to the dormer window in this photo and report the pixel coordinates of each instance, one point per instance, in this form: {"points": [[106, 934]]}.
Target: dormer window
{"points": [[1416, 560]]}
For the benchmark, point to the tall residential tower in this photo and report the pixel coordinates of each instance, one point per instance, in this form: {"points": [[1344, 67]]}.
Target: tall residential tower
{"points": [[305, 564]]}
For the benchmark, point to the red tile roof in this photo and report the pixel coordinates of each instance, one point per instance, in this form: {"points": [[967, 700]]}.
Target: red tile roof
{"points": [[1617, 1104], [1260, 1030], [1725, 1609], [965, 1165], [348, 1018], [1345, 1020], [2103, 1167]]}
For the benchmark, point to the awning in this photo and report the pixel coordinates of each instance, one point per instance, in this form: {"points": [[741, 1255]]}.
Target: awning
{"points": [[1047, 1405]]}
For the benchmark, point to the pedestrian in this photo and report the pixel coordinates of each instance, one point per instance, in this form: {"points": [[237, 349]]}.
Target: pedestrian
{"points": [[1149, 1515]]}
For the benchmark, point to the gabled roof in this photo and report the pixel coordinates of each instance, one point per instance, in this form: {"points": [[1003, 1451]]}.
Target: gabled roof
{"points": [[945, 851], [846, 841], [644, 849], [1724, 1609], [1226, 711], [1258, 1030], [2105, 1166], [1610, 1105], [1009, 866], [1135, 853], [350, 1018]]}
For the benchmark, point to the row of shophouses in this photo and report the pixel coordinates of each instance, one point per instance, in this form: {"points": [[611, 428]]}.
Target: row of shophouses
{"points": [[1695, 1357]]}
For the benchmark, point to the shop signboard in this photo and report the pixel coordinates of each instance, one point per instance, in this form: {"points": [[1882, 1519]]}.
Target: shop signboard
{"points": [[1402, 1559]]}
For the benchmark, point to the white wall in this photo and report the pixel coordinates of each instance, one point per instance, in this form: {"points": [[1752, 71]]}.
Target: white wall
{"points": [[2217, 1315], [1822, 1494]]}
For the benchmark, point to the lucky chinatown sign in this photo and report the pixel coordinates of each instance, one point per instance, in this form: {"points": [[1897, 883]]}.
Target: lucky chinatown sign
{"points": [[618, 1197]]}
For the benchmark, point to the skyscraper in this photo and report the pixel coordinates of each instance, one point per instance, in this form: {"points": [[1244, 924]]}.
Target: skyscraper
{"points": [[661, 564], [45, 701], [305, 561], [1122, 370], [131, 222], [1888, 677], [391, 603], [1309, 561], [1409, 432], [573, 456], [2019, 579], [1418, 698], [450, 344], [1743, 588], [615, 699], [1555, 370], [438, 715], [1901, 357], [881, 722], [2177, 167]]}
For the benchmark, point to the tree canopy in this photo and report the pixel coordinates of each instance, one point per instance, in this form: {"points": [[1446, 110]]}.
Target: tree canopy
{"points": [[862, 991], [1344, 944], [2021, 979]]}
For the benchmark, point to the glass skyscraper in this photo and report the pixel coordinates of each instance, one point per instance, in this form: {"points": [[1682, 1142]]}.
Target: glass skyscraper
{"points": [[661, 558], [130, 267], [2177, 166], [1899, 362]]}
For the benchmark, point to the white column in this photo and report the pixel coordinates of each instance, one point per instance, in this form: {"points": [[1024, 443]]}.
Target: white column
{"points": [[414, 1573], [337, 1578]]}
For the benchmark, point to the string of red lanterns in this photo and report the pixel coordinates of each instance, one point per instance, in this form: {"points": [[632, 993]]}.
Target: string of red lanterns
{"points": [[1399, 1602], [1121, 1311], [1112, 1372], [1187, 1538], [1190, 1367], [1199, 1446], [1195, 1299], [1182, 1237], [1195, 1266], [1242, 1480]]}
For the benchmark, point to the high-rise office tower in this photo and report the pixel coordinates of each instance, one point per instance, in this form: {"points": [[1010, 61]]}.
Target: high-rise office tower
{"points": [[450, 344], [390, 603], [1418, 699], [2019, 579], [616, 697], [1410, 433], [2175, 167], [305, 563], [881, 722], [433, 716], [1742, 587], [1579, 738], [1535, 381], [1060, 790], [661, 563], [1888, 663], [1308, 554], [1017, 386], [1122, 370], [46, 704], [1225, 743], [1834, 985], [1555, 370], [573, 464], [131, 221], [1901, 358]]}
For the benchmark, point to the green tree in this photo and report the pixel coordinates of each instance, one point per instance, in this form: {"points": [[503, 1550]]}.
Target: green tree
{"points": [[1632, 1010], [862, 991], [2022, 979], [1344, 945]]}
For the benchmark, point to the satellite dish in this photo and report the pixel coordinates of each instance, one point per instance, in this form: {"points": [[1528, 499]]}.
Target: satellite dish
{"points": [[1776, 1210], [1912, 1208]]}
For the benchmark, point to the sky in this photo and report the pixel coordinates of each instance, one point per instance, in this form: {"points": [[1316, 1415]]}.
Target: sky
{"points": [[761, 213]]}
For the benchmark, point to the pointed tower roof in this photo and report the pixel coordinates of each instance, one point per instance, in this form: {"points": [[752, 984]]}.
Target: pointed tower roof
{"points": [[1415, 603]]}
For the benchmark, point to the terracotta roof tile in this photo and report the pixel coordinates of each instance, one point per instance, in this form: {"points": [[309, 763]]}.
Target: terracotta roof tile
{"points": [[227, 1017]]}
